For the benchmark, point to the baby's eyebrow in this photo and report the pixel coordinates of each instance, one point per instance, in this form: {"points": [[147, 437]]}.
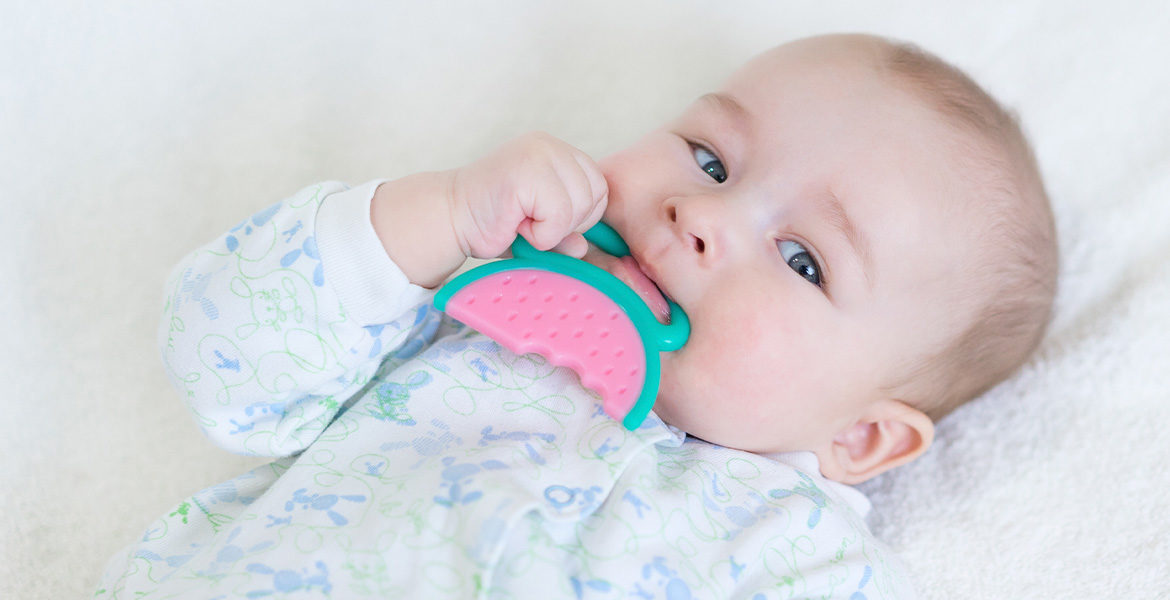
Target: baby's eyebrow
{"points": [[731, 107], [836, 216]]}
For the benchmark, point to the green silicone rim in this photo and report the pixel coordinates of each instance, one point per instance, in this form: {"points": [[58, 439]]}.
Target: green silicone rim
{"points": [[656, 337]]}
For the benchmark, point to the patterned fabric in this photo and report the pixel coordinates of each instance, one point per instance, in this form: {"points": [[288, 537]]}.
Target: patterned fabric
{"points": [[419, 459]]}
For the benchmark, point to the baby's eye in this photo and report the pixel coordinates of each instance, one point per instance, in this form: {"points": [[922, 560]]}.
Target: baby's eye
{"points": [[709, 163], [800, 260]]}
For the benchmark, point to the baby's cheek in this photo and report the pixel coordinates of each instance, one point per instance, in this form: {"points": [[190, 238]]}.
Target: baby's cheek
{"points": [[738, 359], [749, 344], [712, 370]]}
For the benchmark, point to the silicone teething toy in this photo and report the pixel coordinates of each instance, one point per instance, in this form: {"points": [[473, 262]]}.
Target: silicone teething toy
{"points": [[574, 314]]}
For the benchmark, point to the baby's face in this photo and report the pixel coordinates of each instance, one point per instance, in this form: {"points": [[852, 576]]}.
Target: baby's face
{"points": [[801, 218]]}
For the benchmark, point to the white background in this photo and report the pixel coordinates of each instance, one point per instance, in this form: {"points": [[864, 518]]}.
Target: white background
{"points": [[131, 132]]}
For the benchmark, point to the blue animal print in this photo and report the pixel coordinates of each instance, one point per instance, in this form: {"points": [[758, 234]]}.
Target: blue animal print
{"points": [[324, 502], [286, 581], [227, 363], [258, 219], [291, 232], [263, 408], [392, 398], [240, 427], [736, 568], [416, 342], [662, 579], [741, 516], [439, 355], [633, 499], [412, 346], [276, 409], [225, 493], [432, 443], [375, 332], [173, 560], [192, 289], [809, 490], [865, 576], [309, 249], [487, 437], [561, 497], [605, 448], [580, 587], [231, 553], [482, 368], [457, 476], [375, 468]]}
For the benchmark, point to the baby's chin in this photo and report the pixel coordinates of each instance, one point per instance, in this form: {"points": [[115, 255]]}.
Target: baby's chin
{"points": [[662, 408]]}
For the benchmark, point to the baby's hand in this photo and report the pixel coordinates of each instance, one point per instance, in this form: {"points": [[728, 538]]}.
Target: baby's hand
{"points": [[536, 186]]}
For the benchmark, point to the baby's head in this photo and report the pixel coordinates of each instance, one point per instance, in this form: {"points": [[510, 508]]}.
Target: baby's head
{"points": [[861, 240]]}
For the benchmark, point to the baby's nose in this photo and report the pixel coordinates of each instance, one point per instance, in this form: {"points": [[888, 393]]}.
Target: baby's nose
{"points": [[695, 241], [694, 225]]}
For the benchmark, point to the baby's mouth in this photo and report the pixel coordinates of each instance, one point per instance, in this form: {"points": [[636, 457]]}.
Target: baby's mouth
{"points": [[630, 272]]}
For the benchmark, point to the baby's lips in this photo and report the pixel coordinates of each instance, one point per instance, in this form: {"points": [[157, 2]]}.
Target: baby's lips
{"points": [[631, 273]]}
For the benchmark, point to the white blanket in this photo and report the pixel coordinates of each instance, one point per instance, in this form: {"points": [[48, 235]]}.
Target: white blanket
{"points": [[1051, 486]]}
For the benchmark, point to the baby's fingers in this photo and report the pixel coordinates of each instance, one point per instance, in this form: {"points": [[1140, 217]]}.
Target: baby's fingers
{"points": [[577, 206], [574, 245], [565, 193], [549, 224], [595, 200]]}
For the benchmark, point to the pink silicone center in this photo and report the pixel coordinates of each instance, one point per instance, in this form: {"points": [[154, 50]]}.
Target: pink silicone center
{"points": [[564, 320]]}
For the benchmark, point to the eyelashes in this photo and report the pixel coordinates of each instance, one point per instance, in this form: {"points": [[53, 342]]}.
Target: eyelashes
{"points": [[800, 260], [708, 162]]}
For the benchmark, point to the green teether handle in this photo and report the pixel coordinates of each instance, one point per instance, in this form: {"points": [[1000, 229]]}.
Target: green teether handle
{"points": [[603, 236]]}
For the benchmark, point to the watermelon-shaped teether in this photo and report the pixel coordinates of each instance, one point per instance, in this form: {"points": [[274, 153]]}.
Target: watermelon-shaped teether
{"points": [[574, 314]]}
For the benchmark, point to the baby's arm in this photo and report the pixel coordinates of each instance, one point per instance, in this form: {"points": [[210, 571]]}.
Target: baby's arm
{"points": [[272, 328], [269, 329]]}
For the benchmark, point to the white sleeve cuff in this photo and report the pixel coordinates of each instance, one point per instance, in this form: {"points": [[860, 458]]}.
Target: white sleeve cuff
{"points": [[371, 287]]}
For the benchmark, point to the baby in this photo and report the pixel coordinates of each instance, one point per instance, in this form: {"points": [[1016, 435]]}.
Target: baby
{"points": [[860, 238]]}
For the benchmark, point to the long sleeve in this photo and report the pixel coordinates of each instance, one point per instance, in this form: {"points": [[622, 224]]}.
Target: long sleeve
{"points": [[272, 327]]}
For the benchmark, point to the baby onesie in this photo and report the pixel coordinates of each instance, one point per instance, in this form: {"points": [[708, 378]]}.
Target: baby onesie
{"points": [[416, 458]]}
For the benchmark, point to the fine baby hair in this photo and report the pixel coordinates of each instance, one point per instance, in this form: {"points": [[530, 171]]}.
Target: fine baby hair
{"points": [[575, 315]]}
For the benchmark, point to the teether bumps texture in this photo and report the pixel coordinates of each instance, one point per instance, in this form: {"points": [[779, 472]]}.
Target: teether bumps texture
{"points": [[575, 314], [563, 319]]}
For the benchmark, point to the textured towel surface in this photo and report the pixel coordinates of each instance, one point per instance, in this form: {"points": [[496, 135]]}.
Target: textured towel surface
{"points": [[131, 135]]}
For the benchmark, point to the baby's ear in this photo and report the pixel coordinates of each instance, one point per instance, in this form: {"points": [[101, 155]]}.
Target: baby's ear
{"points": [[890, 433]]}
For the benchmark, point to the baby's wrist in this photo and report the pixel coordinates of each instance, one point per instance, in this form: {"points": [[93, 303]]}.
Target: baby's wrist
{"points": [[412, 218]]}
